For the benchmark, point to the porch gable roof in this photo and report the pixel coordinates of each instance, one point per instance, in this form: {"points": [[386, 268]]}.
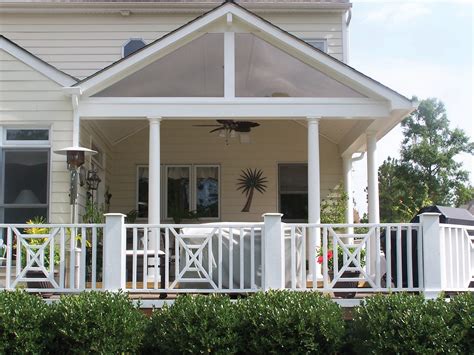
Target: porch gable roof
{"points": [[333, 67]]}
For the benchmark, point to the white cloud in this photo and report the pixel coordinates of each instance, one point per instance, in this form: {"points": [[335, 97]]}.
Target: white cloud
{"points": [[397, 13]]}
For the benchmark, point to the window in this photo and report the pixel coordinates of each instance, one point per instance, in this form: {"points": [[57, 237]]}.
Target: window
{"points": [[24, 181], [132, 45], [293, 191], [187, 188], [320, 44]]}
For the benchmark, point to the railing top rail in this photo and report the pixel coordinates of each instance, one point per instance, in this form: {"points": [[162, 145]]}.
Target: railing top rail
{"points": [[201, 225], [461, 226], [354, 225], [53, 225]]}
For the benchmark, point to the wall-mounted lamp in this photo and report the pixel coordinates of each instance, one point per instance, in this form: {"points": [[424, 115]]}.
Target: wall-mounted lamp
{"points": [[93, 180], [75, 157]]}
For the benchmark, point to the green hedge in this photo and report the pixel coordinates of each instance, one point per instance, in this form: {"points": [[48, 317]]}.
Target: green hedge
{"points": [[404, 324], [193, 325], [21, 323], [289, 322], [274, 322], [94, 322]]}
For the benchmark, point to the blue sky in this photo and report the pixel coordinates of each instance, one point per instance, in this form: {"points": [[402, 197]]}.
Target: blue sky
{"points": [[417, 47]]}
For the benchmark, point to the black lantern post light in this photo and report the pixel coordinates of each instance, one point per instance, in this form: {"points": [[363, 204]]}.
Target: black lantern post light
{"points": [[75, 159], [93, 180]]}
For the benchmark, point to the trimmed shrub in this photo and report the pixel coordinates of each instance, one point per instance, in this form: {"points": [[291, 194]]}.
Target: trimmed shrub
{"points": [[462, 323], [289, 322], [95, 322], [193, 324], [21, 319], [402, 324]]}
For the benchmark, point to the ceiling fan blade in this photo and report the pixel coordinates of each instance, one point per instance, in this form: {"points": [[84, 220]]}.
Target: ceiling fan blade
{"points": [[206, 125], [217, 129]]}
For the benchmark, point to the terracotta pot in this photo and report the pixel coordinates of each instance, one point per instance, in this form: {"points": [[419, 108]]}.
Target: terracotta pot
{"points": [[345, 284]]}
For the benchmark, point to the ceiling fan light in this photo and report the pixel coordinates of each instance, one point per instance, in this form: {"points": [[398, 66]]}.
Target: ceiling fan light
{"points": [[244, 138], [232, 134], [222, 134]]}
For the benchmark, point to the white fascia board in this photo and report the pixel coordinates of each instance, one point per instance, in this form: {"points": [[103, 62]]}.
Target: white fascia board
{"points": [[197, 108], [120, 69], [35, 63]]}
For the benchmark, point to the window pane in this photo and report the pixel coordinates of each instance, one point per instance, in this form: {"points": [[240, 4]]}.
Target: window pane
{"points": [[22, 215], [194, 70], [178, 190], [262, 70], [317, 43], [293, 178], [27, 134], [294, 206], [207, 191], [142, 192], [26, 177], [132, 46]]}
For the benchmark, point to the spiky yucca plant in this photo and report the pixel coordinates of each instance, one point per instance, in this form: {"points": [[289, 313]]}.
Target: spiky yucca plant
{"points": [[249, 181]]}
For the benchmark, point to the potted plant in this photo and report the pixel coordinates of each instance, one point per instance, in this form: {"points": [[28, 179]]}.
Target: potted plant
{"points": [[346, 274]]}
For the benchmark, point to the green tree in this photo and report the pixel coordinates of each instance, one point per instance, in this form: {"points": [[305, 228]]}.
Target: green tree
{"points": [[426, 172]]}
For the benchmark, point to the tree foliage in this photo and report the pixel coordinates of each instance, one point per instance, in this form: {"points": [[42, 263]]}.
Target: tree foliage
{"points": [[427, 172]]}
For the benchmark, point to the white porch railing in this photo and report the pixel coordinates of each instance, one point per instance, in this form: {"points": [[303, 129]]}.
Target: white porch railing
{"points": [[238, 257], [53, 257]]}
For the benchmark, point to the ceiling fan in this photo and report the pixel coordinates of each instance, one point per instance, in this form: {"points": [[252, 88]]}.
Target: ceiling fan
{"points": [[228, 128]]}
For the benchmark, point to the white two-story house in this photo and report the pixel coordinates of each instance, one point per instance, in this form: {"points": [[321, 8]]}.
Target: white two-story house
{"points": [[229, 110]]}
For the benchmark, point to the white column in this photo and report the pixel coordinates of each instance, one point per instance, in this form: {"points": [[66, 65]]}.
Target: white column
{"points": [[154, 171], [372, 178], [347, 171], [114, 252], [373, 197], [314, 194], [274, 252], [432, 255]]}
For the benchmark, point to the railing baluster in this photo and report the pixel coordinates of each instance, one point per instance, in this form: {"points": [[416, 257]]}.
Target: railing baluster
{"points": [[18, 253], [377, 257], [176, 254], [219, 270], [82, 280], [325, 261], [94, 258], [252, 258], [457, 259], [145, 259], [292, 256], [449, 257], [419, 243], [399, 259], [167, 258], [8, 270], [156, 234], [388, 257], [231, 259], [241, 242], [303, 258], [72, 258], [409, 258], [134, 257], [210, 256]]}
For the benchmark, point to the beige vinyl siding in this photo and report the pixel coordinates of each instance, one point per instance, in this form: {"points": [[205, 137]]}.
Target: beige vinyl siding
{"points": [[272, 143], [29, 99], [81, 44]]}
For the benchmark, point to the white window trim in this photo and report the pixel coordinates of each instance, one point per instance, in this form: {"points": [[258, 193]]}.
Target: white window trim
{"points": [[28, 143], [130, 40]]}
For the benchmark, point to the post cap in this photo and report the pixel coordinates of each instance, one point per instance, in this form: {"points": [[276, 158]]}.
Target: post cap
{"points": [[272, 214], [115, 215]]}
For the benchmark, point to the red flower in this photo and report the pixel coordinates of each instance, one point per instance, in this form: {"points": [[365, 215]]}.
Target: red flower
{"points": [[320, 258]]}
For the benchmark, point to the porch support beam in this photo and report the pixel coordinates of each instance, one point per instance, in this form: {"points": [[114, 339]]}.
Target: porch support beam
{"points": [[373, 194], [314, 193], [154, 171]]}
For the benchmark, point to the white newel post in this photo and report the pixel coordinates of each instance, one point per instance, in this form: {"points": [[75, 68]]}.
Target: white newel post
{"points": [[274, 252], [432, 255], [373, 196], [114, 252], [314, 194]]}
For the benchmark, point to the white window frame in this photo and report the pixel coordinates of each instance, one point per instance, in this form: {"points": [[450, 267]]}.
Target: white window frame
{"points": [[26, 145], [130, 40], [323, 40]]}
